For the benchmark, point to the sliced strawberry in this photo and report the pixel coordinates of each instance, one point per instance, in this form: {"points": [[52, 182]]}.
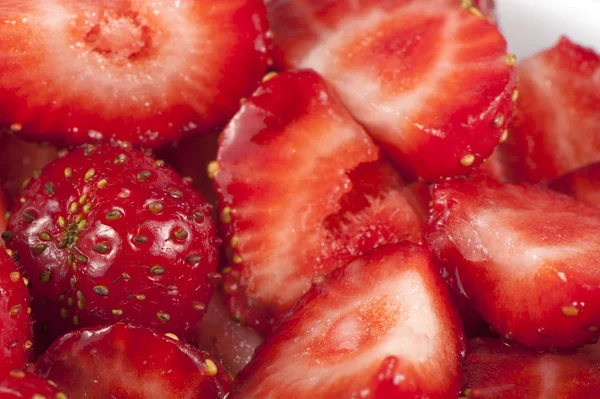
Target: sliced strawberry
{"points": [[109, 234], [303, 190], [527, 259], [499, 167], [380, 327], [419, 196], [19, 160], [494, 370], [131, 70], [557, 124], [15, 321], [431, 81], [583, 184], [129, 362], [226, 339], [23, 385]]}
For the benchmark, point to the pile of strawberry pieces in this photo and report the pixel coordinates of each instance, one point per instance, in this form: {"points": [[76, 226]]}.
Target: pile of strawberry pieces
{"points": [[394, 207]]}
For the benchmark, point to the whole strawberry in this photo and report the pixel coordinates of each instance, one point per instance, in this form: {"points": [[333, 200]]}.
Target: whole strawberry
{"points": [[108, 234]]}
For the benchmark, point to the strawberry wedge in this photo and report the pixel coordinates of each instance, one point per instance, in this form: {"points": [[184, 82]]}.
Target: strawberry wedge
{"points": [[557, 123], [381, 327], [494, 370], [525, 258], [142, 71], [583, 184], [303, 190], [429, 79]]}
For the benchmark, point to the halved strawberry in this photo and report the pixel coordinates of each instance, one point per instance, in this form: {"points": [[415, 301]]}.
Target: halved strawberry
{"points": [[130, 362], [15, 320], [431, 81], [110, 234], [494, 370], [226, 339], [23, 385], [131, 70], [303, 190], [583, 184], [526, 258], [557, 124], [380, 327]]}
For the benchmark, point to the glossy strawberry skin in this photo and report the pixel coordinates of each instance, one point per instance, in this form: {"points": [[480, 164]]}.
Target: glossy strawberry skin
{"points": [[582, 184], [131, 71], [109, 234], [303, 190], [24, 385], [131, 362], [525, 258], [15, 320]]}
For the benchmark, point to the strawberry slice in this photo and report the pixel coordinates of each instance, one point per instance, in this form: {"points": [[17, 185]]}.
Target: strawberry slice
{"points": [[380, 327], [557, 124], [109, 234], [499, 167], [583, 184], [130, 362], [303, 190], [526, 259], [226, 339], [15, 321], [430, 81], [494, 370], [130, 70], [23, 385]]}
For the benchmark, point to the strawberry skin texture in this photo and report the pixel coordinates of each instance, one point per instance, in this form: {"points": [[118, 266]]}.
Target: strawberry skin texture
{"points": [[15, 320], [303, 190], [108, 234], [24, 385], [493, 370], [582, 184], [556, 128], [429, 80], [131, 362], [524, 257], [380, 327], [128, 70]]}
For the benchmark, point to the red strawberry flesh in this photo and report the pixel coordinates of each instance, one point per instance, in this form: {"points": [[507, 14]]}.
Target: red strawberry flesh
{"points": [[303, 190], [109, 234], [380, 327], [129, 362], [23, 385], [583, 184]]}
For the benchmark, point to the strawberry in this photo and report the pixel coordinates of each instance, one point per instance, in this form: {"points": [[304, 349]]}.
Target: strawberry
{"points": [[19, 160], [498, 167], [109, 234], [15, 321], [487, 7], [303, 190], [130, 362], [430, 81], [524, 257], [380, 327], [494, 370], [227, 340], [24, 385], [583, 184], [557, 124], [127, 70]]}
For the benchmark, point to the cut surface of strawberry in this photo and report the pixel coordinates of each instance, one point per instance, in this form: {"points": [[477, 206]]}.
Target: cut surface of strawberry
{"points": [[131, 70], [556, 128], [109, 234], [583, 184], [429, 80], [303, 190], [130, 362], [493, 370], [226, 339], [15, 320], [23, 385], [527, 259], [380, 327]]}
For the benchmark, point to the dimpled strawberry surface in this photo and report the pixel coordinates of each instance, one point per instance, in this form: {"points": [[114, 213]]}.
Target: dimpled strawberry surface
{"points": [[324, 199]]}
